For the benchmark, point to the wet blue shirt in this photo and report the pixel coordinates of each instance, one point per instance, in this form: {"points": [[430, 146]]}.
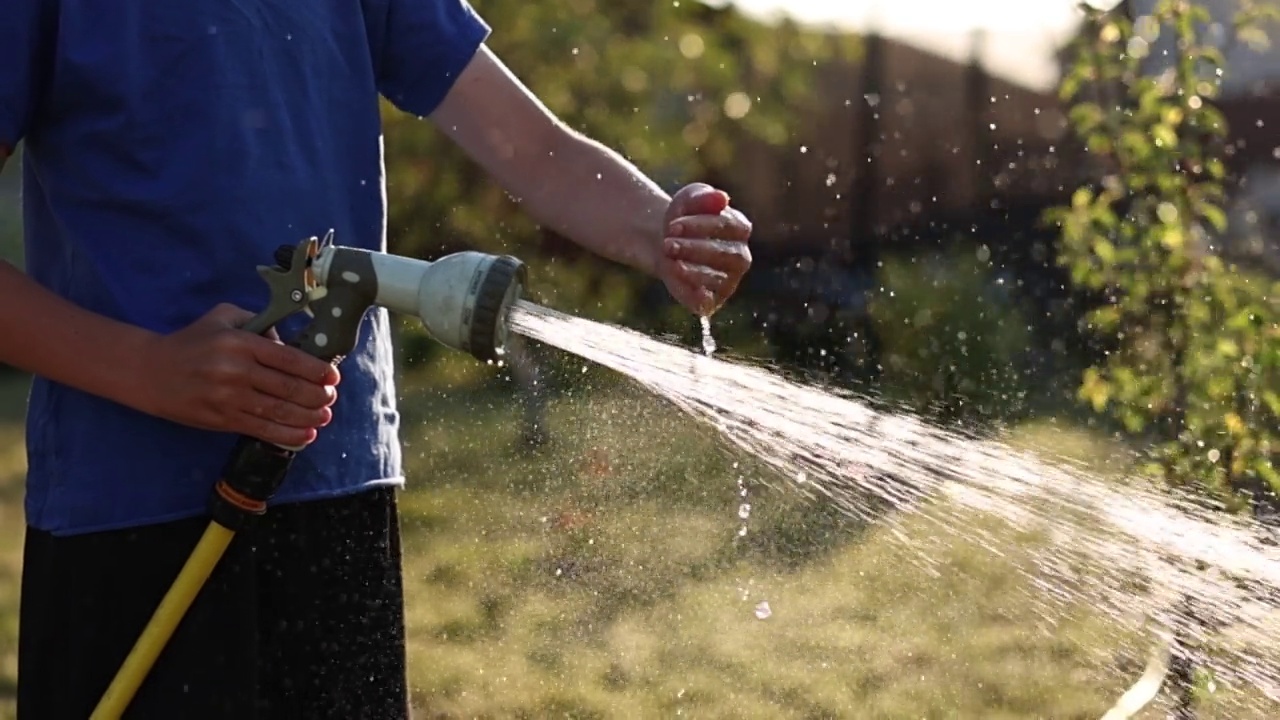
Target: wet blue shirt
{"points": [[169, 148]]}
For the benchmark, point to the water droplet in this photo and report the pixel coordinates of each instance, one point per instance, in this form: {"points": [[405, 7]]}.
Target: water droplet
{"points": [[692, 46], [737, 105]]}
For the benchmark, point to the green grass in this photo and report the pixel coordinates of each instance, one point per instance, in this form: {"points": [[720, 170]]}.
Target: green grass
{"points": [[603, 576]]}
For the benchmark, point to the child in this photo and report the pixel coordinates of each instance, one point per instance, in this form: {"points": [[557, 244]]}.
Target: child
{"points": [[170, 147]]}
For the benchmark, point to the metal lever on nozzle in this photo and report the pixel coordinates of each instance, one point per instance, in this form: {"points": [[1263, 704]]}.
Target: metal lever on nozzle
{"points": [[291, 283]]}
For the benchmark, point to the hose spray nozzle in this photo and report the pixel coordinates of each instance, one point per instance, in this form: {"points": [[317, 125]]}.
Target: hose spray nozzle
{"points": [[463, 299]]}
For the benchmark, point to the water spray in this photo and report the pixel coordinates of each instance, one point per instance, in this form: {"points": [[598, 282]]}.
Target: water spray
{"points": [[1129, 552], [463, 300]]}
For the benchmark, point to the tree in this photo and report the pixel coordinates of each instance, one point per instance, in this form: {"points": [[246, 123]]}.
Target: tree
{"points": [[1196, 356]]}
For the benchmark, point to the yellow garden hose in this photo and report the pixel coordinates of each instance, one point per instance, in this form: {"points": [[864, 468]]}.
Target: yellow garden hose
{"points": [[172, 608]]}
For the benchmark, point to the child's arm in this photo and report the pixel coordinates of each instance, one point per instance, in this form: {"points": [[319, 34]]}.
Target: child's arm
{"points": [[589, 193], [46, 335], [209, 375]]}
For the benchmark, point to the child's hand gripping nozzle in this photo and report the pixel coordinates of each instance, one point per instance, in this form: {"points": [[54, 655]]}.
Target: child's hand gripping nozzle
{"points": [[463, 300]]}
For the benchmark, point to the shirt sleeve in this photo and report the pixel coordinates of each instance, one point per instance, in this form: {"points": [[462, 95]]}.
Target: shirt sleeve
{"points": [[25, 43], [422, 47]]}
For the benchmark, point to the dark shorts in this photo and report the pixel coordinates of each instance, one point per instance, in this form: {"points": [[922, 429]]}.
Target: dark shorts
{"points": [[302, 618]]}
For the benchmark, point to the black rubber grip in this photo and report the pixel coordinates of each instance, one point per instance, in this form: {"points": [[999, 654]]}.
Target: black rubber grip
{"points": [[251, 476]]}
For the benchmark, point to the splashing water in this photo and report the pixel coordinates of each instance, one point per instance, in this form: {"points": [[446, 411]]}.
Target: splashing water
{"points": [[744, 501], [880, 467], [763, 611], [708, 342]]}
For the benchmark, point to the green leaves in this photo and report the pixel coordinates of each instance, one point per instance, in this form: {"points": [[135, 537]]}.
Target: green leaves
{"points": [[1086, 117], [1164, 136], [1198, 356], [1095, 390]]}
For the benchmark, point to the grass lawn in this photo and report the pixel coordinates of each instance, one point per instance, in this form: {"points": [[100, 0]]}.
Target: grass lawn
{"points": [[604, 576]]}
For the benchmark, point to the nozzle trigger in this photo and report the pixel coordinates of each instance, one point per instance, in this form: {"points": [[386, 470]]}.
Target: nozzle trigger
{"points": [[290, 286]]}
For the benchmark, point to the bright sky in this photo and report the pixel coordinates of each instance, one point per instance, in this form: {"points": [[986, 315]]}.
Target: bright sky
{"points": [[1022, 35]]}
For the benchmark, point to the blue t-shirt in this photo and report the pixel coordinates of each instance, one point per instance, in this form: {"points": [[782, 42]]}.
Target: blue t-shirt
{"points": [[169, 148]]}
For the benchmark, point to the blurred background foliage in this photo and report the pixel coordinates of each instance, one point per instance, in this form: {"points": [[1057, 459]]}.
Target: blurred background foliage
{"points": [[10, 211], [955, 344], [1196, 359]]}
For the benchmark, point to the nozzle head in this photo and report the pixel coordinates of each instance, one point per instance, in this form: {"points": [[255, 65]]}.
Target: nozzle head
{"points": [[500, 286], [463, 299]]}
